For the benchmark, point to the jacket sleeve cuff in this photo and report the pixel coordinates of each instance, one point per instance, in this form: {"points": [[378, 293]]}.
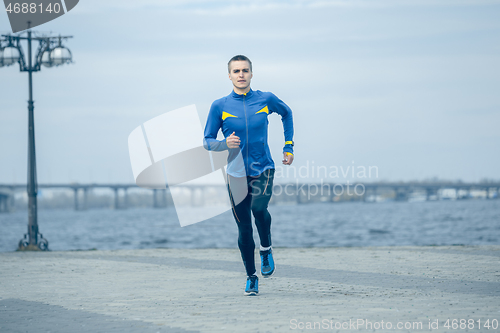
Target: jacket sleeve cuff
{"points": [[288, 149]]}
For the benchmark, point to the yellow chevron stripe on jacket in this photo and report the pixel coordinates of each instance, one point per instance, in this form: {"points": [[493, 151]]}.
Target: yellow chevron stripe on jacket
{"points": [[225, 115], [264, 109]]}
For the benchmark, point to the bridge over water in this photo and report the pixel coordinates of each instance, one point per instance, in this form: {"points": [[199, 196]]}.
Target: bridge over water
{"points": [[299, 192]]}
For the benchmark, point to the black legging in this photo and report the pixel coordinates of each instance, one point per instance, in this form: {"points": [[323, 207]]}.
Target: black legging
{"points": [[251, 195]]}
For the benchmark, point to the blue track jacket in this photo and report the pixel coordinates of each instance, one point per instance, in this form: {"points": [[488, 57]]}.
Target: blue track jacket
{"points": [[246, 115]]}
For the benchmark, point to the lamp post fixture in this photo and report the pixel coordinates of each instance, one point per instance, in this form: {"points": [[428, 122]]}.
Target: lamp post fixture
{"points": [[50, 53]]}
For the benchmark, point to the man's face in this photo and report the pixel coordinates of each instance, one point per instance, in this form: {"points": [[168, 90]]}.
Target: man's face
{"points": [[240, 74]]}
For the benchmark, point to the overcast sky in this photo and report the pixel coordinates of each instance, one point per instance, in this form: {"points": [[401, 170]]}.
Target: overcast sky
{"points": [[410, 87]]}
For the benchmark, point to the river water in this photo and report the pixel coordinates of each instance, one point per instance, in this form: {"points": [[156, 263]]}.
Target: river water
{"points": [[464, 222]]}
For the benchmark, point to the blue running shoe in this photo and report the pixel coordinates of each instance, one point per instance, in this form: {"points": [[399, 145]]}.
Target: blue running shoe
{"points": [[252, 288], [267, 263]]}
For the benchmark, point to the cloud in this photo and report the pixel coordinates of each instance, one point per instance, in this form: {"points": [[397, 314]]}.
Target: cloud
{"points": [[348, 63]]}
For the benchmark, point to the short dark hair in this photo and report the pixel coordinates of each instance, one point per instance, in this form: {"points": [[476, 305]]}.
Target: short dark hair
{"points": [[239, 57]]}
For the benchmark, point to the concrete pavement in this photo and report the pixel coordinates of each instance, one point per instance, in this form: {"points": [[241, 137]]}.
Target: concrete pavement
{"points": [[410, 288]]}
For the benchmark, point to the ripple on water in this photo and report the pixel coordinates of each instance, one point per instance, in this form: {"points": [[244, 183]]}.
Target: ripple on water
{"points": [[469, 222]]}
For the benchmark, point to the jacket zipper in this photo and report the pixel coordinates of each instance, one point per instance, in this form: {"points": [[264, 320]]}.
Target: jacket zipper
{"points": [[246, 126]]}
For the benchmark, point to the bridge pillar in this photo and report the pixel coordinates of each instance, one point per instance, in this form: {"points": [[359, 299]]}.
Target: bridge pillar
{"points": [[374, 194], [155, 198], [117, 199], [461, 197], [85, 198], [75, 191], [12, 202], [428, 193], [488, 195], [401, 194], [157, 201], [165, 195], [125, 199], [3, 204]]}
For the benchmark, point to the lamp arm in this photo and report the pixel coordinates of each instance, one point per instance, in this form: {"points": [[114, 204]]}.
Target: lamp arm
{"points": [[22, 63], [44, 45]]}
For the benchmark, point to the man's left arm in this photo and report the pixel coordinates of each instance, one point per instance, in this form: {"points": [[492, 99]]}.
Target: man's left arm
{"points": [[278, 106]]}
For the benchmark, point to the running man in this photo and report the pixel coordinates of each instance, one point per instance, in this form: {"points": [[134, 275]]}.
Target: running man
{"points": [[243, 118]]}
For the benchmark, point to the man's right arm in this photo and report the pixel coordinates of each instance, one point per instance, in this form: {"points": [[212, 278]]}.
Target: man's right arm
{"points": [[214, 123]]}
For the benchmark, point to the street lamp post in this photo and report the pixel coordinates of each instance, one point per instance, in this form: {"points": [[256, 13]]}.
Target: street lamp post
{"points": [[50, 53]]}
